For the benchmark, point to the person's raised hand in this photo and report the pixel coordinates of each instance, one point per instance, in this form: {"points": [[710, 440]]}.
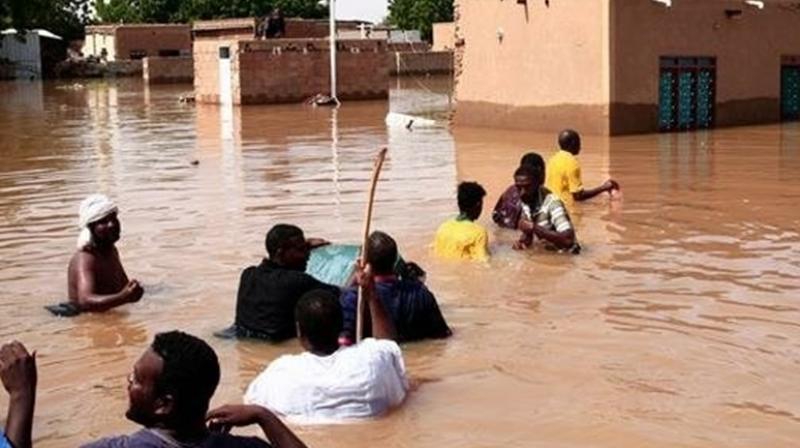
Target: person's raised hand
{"points": [[610, 185], [18, 369], [134, 290], [223, 418]]}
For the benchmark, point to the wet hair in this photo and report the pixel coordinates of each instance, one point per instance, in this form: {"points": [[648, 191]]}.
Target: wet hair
{"points": [[190, 373], [469, 195], [278, 237], [569, 139], [532, 159], [382, 253], [319, 317], [534, 172]]}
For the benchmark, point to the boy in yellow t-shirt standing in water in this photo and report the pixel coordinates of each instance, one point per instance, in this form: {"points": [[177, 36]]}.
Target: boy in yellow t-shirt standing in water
{"points": [[461, 237], [564, 172]]}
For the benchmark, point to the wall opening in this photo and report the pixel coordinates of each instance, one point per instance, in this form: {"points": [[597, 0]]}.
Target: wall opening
{"points": [[687, 93]]}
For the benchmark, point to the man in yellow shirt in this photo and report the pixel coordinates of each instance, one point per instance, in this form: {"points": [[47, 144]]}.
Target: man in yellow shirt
{"points": [[461, 238], [564, 172]]}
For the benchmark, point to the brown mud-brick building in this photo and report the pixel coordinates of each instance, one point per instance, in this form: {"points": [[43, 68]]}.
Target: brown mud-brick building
{"points": [[231, 65], [626, 66], [137, 41]]}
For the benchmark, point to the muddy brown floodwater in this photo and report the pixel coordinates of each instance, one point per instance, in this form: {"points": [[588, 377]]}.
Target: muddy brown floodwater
{"points": [[678, 326]]}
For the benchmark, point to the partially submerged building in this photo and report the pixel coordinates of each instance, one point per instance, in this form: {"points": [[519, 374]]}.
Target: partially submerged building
{"points": [[30, 54], [137, 41], [232, 66], [626, 66]]}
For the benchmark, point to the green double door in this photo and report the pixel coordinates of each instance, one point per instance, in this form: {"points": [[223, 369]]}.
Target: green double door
{"points": [[790, 92], [687, 88]]}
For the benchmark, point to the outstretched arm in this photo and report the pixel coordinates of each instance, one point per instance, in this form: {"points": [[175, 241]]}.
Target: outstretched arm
{"points": [[18, 373], [226, 417], [584, 195]]}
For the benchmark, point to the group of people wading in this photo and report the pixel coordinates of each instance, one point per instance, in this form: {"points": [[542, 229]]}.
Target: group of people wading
{"points": [[337, 378]]}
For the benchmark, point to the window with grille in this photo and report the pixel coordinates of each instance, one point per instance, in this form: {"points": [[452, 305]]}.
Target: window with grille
{"points": [[686, 97]]}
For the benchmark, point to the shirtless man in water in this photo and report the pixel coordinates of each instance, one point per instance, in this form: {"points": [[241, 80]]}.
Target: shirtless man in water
{"points": [[97, 280]]}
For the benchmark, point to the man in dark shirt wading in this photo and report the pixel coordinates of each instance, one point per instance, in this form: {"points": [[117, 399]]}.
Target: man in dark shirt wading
{"points": [[268, 293]]}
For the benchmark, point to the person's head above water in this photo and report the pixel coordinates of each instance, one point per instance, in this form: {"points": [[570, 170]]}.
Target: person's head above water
{"points": [[382, 253], [287, 246], [569, 140], [532, 159], [319, 321], [470, 199], [172, 383], [528, 179], [98, 222]]}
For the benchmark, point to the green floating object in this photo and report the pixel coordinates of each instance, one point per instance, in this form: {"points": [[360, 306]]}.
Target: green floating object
{"points": [[333, 264]]}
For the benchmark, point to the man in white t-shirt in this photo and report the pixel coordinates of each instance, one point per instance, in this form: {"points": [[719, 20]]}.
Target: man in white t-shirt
{"points": [[328, 383]]}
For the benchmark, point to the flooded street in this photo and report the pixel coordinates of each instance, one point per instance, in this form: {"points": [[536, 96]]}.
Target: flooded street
{"points": [[679, 324]]}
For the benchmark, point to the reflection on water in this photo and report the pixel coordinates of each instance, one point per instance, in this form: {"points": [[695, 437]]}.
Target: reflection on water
{"points": [[677, 326]]}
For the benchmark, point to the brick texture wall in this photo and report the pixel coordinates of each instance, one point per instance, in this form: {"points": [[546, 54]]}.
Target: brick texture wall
{"points": [[150, 39], [292, 70], [168, 70]]}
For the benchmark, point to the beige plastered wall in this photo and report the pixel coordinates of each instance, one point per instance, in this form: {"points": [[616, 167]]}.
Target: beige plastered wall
{"points": [[748, 51], [444, 36], [550, 69]]}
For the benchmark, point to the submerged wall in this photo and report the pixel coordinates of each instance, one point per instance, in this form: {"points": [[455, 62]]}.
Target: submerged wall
{"points": [[530, 66], [168, 70], [291, 70]]}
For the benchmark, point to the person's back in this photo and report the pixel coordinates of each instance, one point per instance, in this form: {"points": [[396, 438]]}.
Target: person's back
{"points": [[355, 382], [461, 237], [268, 293], [564, 172], [331, 383], [408, 302]]}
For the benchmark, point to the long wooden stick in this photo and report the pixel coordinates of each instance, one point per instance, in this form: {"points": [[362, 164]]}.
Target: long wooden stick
{"points": [[376, 171]]}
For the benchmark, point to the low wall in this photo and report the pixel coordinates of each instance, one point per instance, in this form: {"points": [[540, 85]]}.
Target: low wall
{"points": [[292, 70], [430, 62], [172, 70]]}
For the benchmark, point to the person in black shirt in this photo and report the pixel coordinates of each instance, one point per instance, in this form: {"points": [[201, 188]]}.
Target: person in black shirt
{"points": [[268, 293], [169, 391]]}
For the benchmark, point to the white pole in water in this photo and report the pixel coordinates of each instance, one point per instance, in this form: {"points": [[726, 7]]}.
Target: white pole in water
{"points": [[332, 19]]}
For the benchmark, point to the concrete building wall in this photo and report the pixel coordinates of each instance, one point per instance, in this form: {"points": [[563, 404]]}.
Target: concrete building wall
{"points": [[157, 70], [206, 68], [747, 47], [531, 66], [444, 36], [151, 40], [95, 42]]}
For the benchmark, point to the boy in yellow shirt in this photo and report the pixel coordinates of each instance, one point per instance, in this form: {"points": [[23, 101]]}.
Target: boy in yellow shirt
{"points": [[461, 238], [564, 172]]}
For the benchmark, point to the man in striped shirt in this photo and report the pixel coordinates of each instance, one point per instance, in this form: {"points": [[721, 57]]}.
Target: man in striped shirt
{"points": [[544, 216]]}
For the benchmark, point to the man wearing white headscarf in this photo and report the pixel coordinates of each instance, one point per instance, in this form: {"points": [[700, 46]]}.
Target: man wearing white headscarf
{"points": [[97, 280]]}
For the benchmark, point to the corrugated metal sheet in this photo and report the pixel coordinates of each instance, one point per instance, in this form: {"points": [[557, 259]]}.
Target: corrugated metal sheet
{"points": [[25, 54]]}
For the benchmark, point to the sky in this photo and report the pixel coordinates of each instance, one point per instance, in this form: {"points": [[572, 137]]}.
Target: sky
{"points": [[372, 10]]}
